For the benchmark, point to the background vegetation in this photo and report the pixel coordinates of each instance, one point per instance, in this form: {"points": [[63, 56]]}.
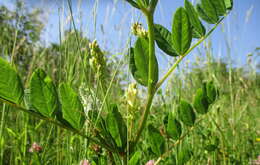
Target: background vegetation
{"points": [[229, 134]]}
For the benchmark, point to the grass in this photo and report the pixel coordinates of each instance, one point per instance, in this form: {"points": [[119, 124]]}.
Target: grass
{"points": [[227, 135]]}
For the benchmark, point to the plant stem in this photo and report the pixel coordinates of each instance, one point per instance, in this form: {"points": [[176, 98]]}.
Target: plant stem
{"points": [[151, 75], [185, 54], [53, 121]]}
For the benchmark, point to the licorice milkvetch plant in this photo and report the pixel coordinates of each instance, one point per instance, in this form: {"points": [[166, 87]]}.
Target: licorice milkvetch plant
{"points": [[61, 105]]}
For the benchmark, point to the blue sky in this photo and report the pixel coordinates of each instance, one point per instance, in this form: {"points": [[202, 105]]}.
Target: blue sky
{"points": [[109, 22]]}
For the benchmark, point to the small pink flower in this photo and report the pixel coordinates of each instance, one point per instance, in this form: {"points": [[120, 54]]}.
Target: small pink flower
{"points": [[257, 161], [35, 147], [150, 162], [84, 162]]}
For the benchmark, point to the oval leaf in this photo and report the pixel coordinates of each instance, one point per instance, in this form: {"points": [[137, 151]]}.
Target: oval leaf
{"points": [[201, 103], [156, 140], [43, 97], [117, 127], [164, 40], [11, 88], [181, 31], [220, 7], [186, 113], [139, 62], [133, 3], [198, 29], [72, 109], [135, 158], [211, 92], [173, 127], [207, 11]]}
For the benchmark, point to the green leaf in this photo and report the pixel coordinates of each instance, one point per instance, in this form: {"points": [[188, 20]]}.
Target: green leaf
{"points": [[117, 127], [173, 127], [133, 3], [11, 88], [156, 140], [229, 4], [135, 158], [164, 40], [186, 113], [43, 96], [207, 11], [211, 92], [184, 154], [211, 147], [139, 62], [72, 109], [181, 31], [153, 4], [201, 103], [198, 28], [220, 7]]}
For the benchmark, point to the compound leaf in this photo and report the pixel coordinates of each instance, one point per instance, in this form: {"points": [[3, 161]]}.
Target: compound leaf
{"points": [[181, 31], [72, 109], [11, 88], [43, 96]]}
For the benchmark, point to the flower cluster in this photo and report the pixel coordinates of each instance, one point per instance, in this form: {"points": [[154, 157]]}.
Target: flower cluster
{"points": [[131, 94], [97, 60], [35, 148], [138, 30], [84, 162], [150, 162]]}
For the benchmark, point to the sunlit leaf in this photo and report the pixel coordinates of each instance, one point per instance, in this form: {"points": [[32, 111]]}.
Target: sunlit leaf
{"points": [[163, 39], [43, 96], [11, 88], [207, 11], [198, 28], [220, 7], [229, 4], [181, 31], [72, 109], [139, 62]]}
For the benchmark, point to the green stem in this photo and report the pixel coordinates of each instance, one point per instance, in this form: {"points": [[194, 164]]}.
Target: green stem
{"points": [[151, 88], [185, 54], [53, 121], [151, 75]]}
